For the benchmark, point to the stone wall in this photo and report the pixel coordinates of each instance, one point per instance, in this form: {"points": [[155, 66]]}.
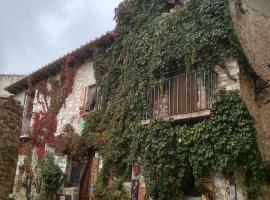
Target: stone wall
{"points": [[222, 186], [10, 124], [6, 80], [70, 112]]}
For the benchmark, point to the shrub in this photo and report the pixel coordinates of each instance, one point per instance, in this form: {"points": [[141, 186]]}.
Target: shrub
{"points": [[52, 175]]}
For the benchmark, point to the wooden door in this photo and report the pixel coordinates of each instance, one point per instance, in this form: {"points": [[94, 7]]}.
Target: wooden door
{"points": [[183, 94], [193, 94], [85, 183]]}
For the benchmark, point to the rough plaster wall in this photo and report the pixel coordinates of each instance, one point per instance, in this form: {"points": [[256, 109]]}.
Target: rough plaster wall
{"points": [[10, 125], [261, 114], [70, 113], [253, 31], [6, 80]]}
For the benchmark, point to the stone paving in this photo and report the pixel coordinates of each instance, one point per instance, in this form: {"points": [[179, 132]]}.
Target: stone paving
{"points": [[20, 195]]}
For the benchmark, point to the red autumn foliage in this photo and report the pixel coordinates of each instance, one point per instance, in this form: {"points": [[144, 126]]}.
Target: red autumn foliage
{"points": [[45, 121], [24, 148], [71, 144]]}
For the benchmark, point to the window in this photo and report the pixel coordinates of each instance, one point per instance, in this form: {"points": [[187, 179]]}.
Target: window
{"points": [[75, 175], [28, 108], [25, 130], [181, 93], [88, 98]]}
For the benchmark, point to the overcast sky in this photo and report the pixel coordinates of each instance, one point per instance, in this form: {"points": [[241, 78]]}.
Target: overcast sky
{"points": [[36, 32]]}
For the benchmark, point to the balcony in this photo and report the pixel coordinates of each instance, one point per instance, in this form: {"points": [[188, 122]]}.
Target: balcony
{"points": [[182, 97], [26, 128]]}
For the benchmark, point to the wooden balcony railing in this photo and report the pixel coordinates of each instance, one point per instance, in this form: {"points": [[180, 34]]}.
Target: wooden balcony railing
{"points": [[182, 94]]}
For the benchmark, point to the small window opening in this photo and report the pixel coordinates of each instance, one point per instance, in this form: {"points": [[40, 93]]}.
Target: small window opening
{"points": [[88, 99]]}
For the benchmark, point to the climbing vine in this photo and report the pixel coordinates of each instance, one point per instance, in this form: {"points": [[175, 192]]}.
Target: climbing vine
{"points": [[150, 41], [223, 143], [45, 120], [72, 144]]}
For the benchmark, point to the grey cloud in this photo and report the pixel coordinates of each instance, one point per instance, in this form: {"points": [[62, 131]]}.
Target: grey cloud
{"points": [[34, 33]]}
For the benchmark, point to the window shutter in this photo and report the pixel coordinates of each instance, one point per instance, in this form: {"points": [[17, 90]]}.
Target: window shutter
{"points": [[92, 96], [90, 102], [82, 96], [28, 108]]}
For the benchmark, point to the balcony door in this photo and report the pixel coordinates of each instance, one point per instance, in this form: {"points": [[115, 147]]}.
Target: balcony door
{"points": [[183, 94]]}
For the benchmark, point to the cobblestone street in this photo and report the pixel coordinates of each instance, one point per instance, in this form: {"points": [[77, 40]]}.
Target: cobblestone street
{"points": [[20, 195]]}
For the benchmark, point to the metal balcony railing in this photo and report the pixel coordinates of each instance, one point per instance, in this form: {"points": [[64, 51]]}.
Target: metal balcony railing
{"points": [[26, 128], [182, 94]]}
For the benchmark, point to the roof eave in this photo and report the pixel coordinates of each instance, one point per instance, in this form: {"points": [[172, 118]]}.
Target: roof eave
{"points": [[81, 53]]}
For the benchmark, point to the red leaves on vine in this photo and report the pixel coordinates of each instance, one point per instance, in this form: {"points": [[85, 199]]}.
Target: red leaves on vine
{"points": [[68, 143], [44, 128], [45, 121], [24, 148]]}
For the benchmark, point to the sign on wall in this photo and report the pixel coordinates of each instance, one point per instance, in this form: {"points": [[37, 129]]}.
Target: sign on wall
{"points": [[230, 192]]}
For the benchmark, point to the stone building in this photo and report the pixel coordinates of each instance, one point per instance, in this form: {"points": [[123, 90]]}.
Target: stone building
{"points": [[188, 101], [184, 97], [78, 104], [252, 26]]}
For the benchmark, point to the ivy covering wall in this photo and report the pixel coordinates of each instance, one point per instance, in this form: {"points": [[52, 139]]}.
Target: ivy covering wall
{"points": [[223, 143], [10, 125], [150, 42]]}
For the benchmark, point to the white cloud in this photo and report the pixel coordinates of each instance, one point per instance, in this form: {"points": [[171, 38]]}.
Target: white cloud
{"points": [[34, 33]]}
